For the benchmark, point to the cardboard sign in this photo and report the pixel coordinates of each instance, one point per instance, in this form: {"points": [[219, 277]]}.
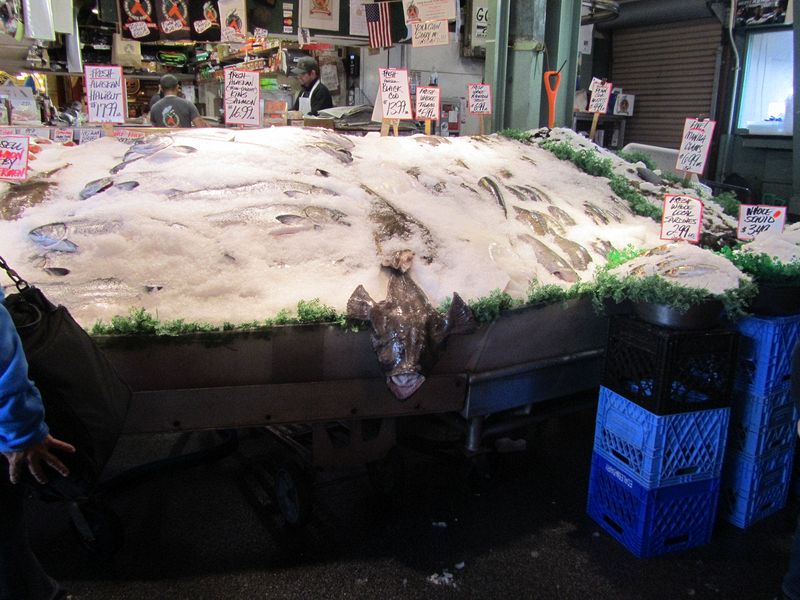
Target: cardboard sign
{"points": [[601, 94], [105, 94], [430, 33], [694, 145], [415, 11], [428, 102], [755, 219], [682, 219], [13, 157], [395, 93], [128, 135], [242, 97], [479, 98], [62, 135]]}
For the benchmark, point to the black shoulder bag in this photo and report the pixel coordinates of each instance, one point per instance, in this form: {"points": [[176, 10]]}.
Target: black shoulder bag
{"points": [[85, 399]]}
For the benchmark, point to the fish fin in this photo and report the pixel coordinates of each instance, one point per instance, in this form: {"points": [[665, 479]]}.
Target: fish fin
{"points": [[460, 318], [360, 304]]}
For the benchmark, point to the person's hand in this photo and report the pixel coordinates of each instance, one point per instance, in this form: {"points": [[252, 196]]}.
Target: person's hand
{"points": [[34, 456]]}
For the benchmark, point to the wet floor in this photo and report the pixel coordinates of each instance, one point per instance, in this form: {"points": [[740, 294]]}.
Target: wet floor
{"points": [[445, 531]]}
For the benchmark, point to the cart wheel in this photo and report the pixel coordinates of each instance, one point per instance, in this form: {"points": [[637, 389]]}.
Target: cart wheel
{"points": [[99, 529], [293, 495]]}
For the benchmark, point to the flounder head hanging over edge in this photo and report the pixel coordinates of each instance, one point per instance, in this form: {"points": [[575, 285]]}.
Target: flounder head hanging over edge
{"points": [[408, 334]]}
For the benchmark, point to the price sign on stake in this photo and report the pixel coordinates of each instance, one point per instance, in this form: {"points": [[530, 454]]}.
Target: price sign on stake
{"points": [[241, 97], [694, 145], [755, 219], [14, 157], [395, 93], [682, 219], [479, 97], [105, 94], [428, 102]]}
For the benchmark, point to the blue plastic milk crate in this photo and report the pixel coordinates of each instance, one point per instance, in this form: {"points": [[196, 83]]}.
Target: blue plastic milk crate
{"points": [[755, 489], [660, 450], [765, 353], [760, 425], [651, 522]]}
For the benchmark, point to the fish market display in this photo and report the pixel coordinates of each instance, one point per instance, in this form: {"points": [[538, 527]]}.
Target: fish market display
{"points": [[234, 226]]}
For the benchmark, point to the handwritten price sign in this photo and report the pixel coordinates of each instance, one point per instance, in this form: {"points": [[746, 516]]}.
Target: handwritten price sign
{"points": [[755, 219], [694, 145], [430, 33], [241, 97], [395, 94], [683, 218], [14, 157], [428, 102], [600, 97], [105, 94], [479, 97]]}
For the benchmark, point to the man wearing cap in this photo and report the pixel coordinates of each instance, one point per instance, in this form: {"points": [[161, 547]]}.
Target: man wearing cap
{"points": [[172, 110], [315, 96]]}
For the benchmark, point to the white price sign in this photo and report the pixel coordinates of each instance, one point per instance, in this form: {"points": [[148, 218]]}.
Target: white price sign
{"points": [[428, 102], [695, 144], [479, 98], [430, 33], [395, 94], [14, 157], [105, 94], [682, 218], [755, 219], [600, 98], [241, 97]]}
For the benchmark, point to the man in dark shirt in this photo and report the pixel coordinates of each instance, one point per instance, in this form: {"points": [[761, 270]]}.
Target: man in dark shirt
{"points": [[315, 96], [172, 110]]}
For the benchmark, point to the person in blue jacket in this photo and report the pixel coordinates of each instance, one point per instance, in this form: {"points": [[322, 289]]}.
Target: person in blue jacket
{"points": [[27, 445]]}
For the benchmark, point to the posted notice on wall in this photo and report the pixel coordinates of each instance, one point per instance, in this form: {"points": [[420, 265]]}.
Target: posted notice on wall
{"points": [[601, 94], [695, 144], [14, 157], [241, 97], [429, 33], [479, 98], [105, 94], [428, 102], [755, 219], [428, 10], [682, 218], [395, 93]]}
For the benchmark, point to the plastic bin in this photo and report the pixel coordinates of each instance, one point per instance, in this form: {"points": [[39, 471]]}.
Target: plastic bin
{"points": [[765, 353], [651, 522], [660, 450], [755, 489], [668, 371], [763, 425]]}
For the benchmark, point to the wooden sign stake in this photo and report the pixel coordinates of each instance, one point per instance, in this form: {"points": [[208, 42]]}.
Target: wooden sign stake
{"points": [[482, 125], [385, 127], [593, 130], [687, 178], [427, 126], [396, 127]]}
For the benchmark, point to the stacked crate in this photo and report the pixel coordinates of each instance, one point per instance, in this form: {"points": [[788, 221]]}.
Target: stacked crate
{"points": [[758, 465], [660, 435]]}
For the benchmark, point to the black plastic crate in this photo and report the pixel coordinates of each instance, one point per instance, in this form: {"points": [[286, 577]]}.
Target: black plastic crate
{"points": [[669, 371]]}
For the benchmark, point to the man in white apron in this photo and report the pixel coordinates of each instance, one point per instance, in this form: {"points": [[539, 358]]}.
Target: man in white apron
{"points": [[315, 96]]}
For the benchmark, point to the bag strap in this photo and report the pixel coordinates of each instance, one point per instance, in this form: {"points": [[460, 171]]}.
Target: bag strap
{"points": [[21, 284]]}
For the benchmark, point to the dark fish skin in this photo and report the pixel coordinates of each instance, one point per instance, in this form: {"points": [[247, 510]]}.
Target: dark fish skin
{"points": [[561, 216], [56, 271], [600, 216], [578, 257], [536, 194], [518, 194], [322, 172], [551, 261], [343, 155], [490, 184], [96, 187], [408, 334], [127, 185], [25, 194], [393, 223], [539, 222], [290, 219], [431, 140], [602, 247]]}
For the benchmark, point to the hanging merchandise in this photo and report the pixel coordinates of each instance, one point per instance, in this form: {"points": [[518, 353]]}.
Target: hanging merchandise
{"points": [[138, 20], [38, 20], [204, 21], [173, 19], [233, 19]]}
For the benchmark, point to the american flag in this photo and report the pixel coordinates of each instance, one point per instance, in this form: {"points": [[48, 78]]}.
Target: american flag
{"points": [[380, 32]]}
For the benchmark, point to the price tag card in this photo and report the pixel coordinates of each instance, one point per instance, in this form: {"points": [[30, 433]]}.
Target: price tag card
{"points": [[694, 145], [128, 135], [89, 134], [36, 132], [428, 102], [479, 98], [682, 218], [14, 157], [395, 93], [62, 135], [430, 33], [601, 95], [105, 94], [755, 219], [241, 97]]}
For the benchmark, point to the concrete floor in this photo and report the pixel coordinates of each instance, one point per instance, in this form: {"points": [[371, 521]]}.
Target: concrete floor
{"points": [[197, 534]]}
